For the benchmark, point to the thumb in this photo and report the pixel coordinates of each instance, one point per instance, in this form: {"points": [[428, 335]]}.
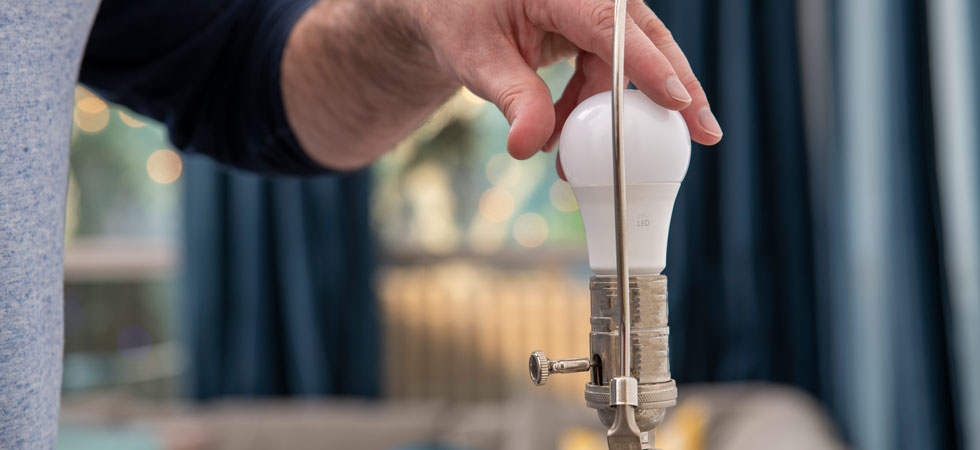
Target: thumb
{"points": [[522, 96]]}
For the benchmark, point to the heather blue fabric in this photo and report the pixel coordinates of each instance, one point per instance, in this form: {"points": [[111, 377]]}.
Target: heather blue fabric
{"points": [[41, 43]]}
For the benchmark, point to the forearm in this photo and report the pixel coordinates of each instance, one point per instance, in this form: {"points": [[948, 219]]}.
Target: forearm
{"points": [[357, 78]]}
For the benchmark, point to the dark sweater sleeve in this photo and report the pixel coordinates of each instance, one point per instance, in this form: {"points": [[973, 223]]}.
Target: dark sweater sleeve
{"points": [[208, 69]]}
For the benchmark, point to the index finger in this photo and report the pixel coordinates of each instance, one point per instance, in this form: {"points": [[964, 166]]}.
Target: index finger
{"points": [[589, 25], [700, 120]]}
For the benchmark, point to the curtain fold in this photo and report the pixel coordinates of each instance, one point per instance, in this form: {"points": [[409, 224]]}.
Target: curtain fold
{"points": [[277, 297], [954, 31], [830, 240]]}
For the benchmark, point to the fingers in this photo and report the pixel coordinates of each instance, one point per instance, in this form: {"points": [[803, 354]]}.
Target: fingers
{"points": [[702, 123], [523, 97], [589, 25]]}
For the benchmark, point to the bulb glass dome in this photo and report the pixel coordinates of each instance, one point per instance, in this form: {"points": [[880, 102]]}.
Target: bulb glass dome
{"points": [[657, 151]]}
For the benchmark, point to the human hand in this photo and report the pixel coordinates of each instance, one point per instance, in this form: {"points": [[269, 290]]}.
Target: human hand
{"points": [[494, 47], [359, 75]]}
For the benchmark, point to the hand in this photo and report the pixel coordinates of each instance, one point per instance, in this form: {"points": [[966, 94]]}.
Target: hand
{"points": [[359, 75], [494, 48]]}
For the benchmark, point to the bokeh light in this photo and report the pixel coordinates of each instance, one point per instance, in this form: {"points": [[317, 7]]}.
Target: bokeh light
{"points": [[562, 197], [471, 97], [130, 121], [577, 438], [530, 230], [503, 171], [81, 92], [164, 166], [496, 205], [91, 114]]}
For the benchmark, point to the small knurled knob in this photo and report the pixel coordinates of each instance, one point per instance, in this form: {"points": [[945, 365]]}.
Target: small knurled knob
{"points": [[539, 368]]}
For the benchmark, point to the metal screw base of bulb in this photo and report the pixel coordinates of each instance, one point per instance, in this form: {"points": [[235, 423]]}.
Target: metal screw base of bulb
{"points": [[656, 391]]}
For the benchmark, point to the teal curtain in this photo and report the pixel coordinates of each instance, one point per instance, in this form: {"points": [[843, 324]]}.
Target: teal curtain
{"points": [[830, 241], [277, 295]]}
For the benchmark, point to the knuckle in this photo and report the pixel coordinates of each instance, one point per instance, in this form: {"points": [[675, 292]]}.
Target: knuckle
{"points": [[648, 23], [655, 29], [602, 17], [691, 83], [660, 35], [539, 11], [507, 98]]}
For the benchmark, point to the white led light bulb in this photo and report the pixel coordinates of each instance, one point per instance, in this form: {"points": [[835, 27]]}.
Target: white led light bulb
{"points": [[657, 151]]}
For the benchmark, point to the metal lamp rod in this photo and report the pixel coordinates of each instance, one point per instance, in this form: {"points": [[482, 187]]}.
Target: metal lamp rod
{"points": [[619, 190]]}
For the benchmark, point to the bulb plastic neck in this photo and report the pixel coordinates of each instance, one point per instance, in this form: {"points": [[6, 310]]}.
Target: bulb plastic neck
{"points": [[648, 210]]}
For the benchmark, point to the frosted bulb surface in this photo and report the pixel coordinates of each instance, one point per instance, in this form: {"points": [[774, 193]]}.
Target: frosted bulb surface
{"points": [[657, 149]]}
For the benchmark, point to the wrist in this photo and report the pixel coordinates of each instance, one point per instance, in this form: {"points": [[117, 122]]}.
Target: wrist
{"points": [[358, 76], [410, 24]]}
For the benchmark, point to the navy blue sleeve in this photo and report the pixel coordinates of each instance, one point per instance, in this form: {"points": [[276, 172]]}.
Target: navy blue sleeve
{"points": [[208, 69]]}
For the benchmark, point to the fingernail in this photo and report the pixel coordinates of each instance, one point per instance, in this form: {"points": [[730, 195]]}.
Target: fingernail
{"points": [[677, 90], [708, 122]]}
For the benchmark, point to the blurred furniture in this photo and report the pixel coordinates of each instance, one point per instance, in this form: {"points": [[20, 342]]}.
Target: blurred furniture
{"points": [[721, 417], [118, 316], [461, 330]]}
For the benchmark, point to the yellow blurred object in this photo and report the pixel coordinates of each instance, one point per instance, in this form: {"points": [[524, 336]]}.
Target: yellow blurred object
{"points": [[130, 121], [685, 427], [91, 114], [581, 439], [164, 166], [81, 92], [444, 322], [91, 105]]}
